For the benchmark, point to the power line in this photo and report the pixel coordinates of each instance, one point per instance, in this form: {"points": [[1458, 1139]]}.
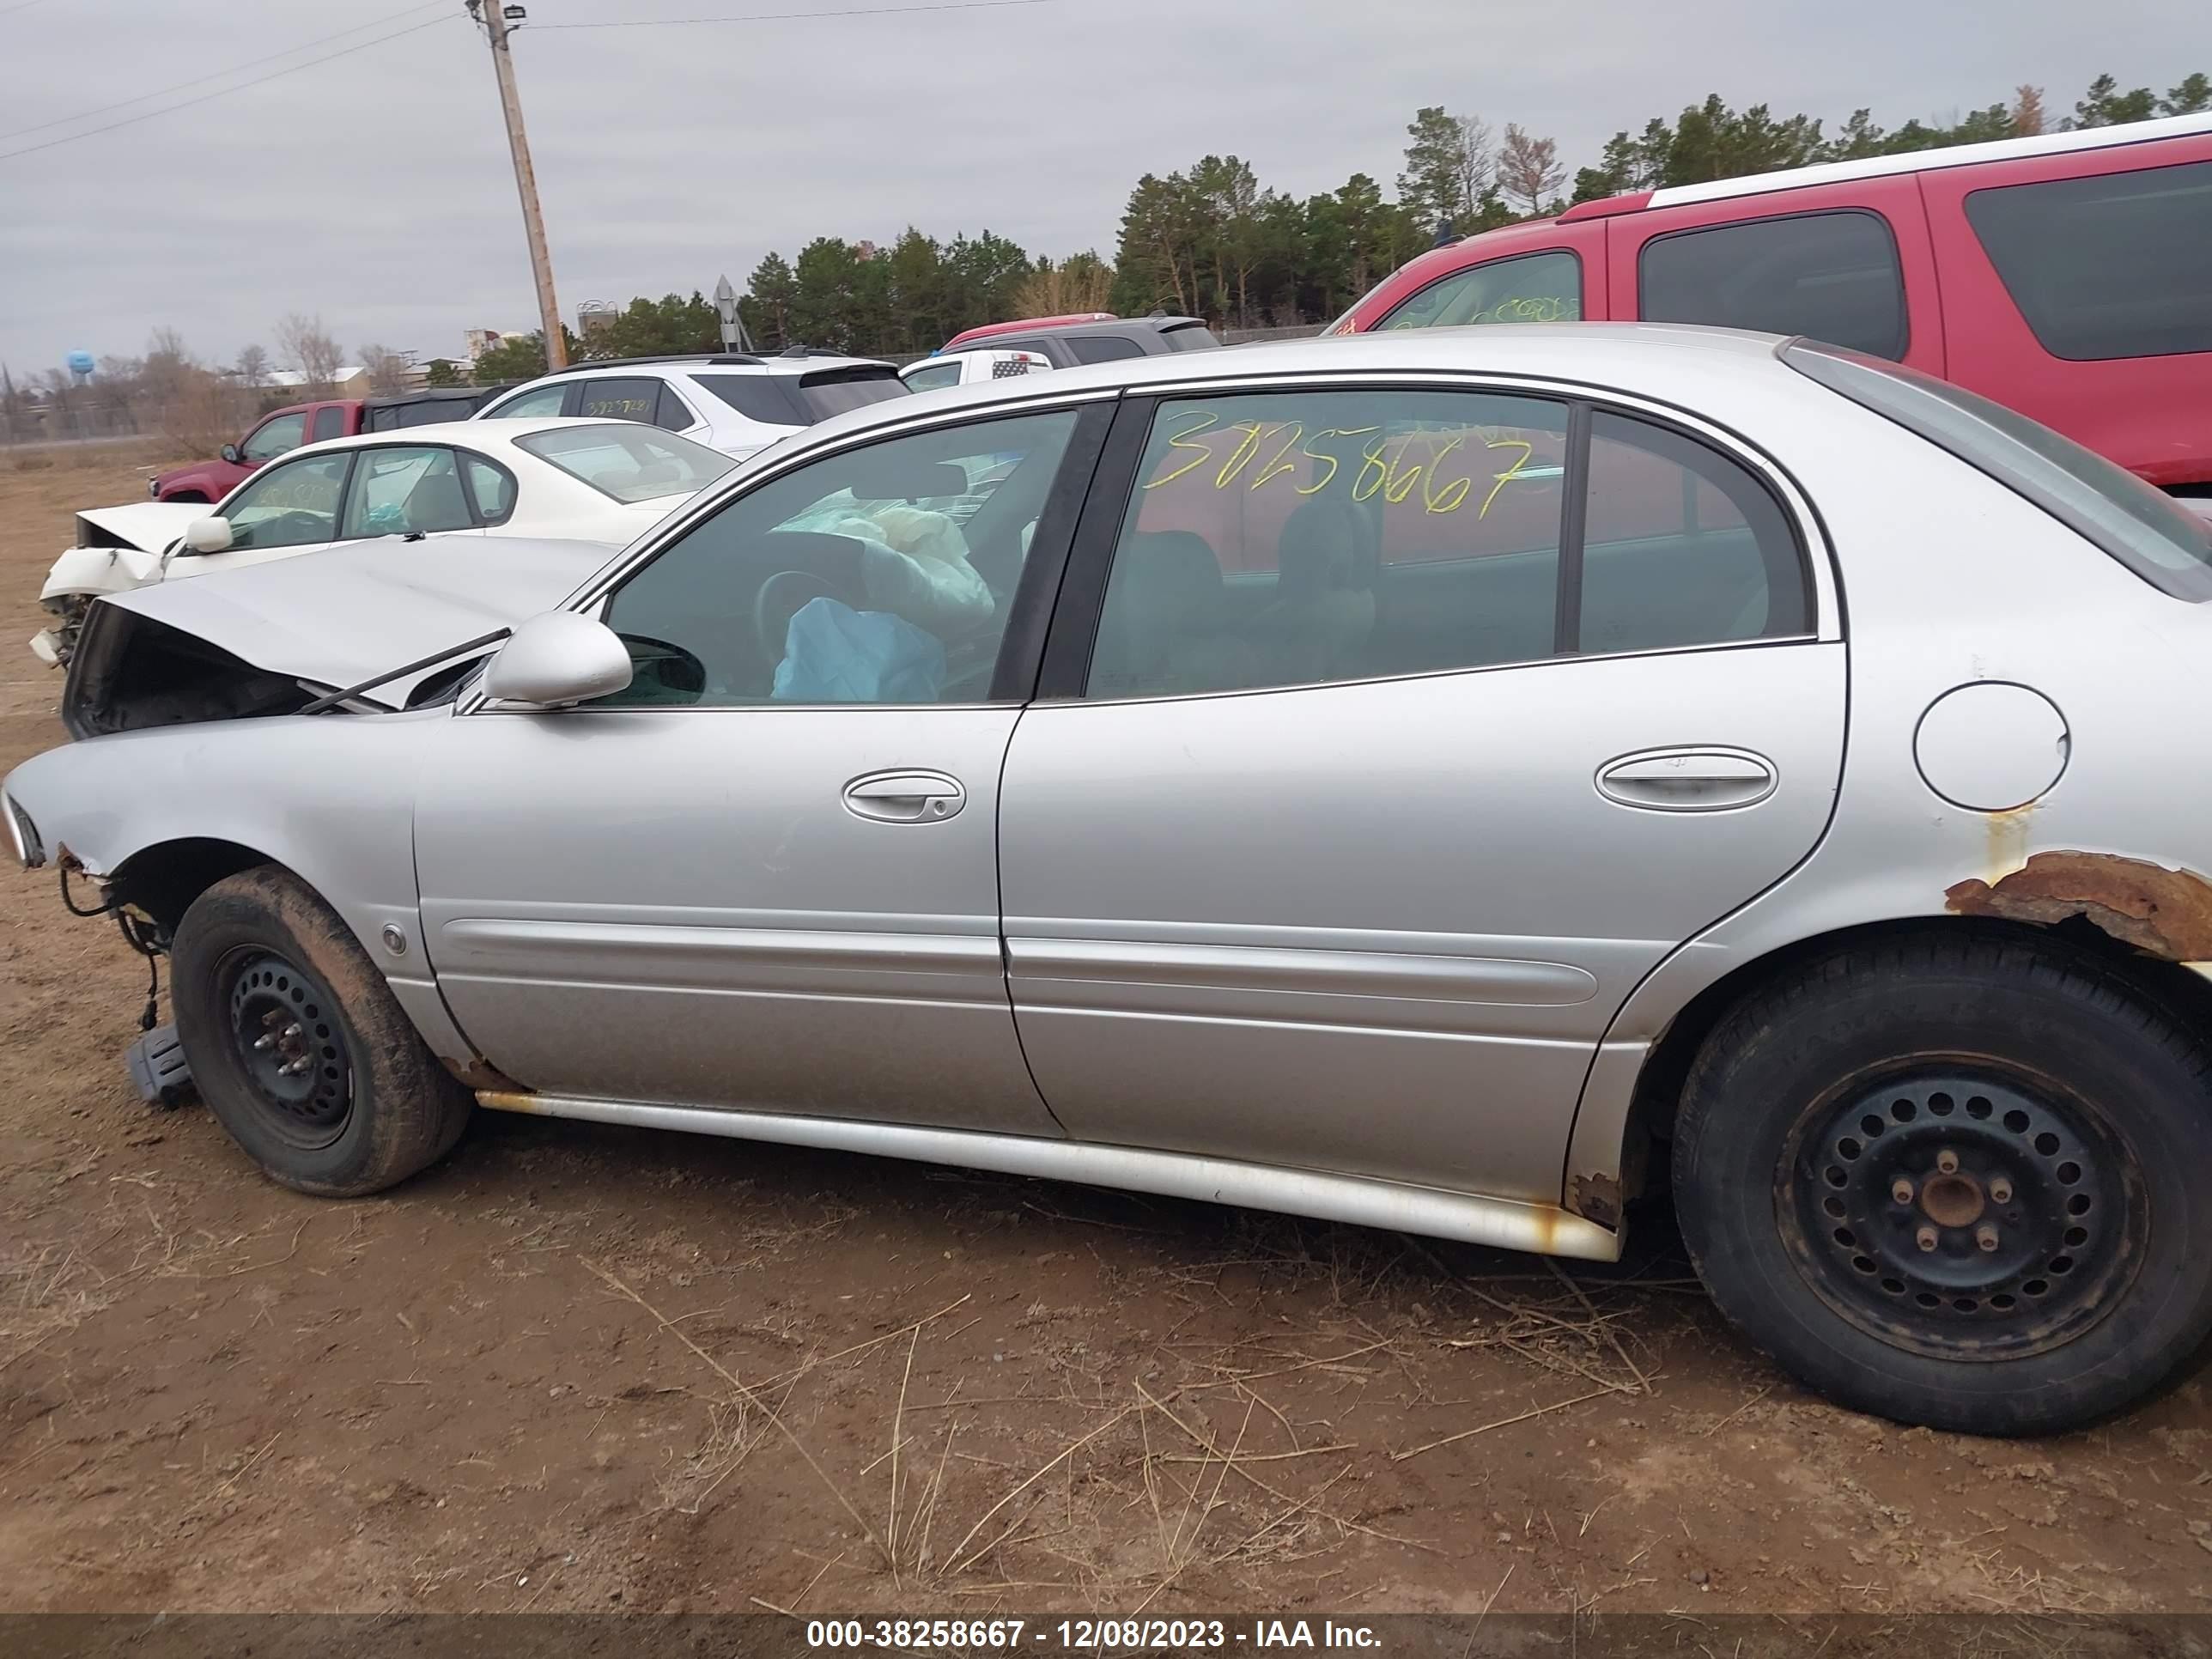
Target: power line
{"points": [[225, 92], [213, 75], [791, 16]]}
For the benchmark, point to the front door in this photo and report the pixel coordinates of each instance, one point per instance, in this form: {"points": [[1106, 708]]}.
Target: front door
{"points": [[765, 875], [1418, 726]]}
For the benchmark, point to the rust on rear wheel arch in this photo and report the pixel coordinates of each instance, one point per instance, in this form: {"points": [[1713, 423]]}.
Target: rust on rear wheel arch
{"points": [[2165, 912]]}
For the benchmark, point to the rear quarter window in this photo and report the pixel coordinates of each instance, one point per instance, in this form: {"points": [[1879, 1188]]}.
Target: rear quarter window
{"points": [[2118, 266]]}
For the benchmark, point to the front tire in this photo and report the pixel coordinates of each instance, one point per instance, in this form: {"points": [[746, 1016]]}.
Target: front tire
{"points": [[1955, 1183], [298, 1046]]}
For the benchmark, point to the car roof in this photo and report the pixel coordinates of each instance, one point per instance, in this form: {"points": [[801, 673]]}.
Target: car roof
{"points": [[721, 363], [466, 435], [1918, 161], [1629, 356]]}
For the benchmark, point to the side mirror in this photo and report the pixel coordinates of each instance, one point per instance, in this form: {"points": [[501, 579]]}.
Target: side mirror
{"points": [[233, 454], [557, 657], [208, 535]]}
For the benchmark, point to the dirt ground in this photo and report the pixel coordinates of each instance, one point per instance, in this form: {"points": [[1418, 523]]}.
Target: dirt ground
{"points": [[577, 1367]]}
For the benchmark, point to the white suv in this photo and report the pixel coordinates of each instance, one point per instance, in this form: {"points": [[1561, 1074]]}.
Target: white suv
{"points": [[733, 402]]}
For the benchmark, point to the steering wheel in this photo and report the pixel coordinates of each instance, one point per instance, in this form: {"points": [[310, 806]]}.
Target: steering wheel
{"points": [[780, 599]]}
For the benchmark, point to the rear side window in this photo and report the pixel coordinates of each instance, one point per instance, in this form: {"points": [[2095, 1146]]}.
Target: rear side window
{"points": [[930, 378], [629, 462], [757, 397], [671, 415], [618, 399], [1680, 546], [2153, 535], [1303, 537], [2115, 266], [1536, 288], [1832, 275], [829, 391], [329, 423], [1103, 348]]}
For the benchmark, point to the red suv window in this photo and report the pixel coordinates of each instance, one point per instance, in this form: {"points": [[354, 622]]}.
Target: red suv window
{"points": [[2115, 265], [1834, 277], [1535, 287]]}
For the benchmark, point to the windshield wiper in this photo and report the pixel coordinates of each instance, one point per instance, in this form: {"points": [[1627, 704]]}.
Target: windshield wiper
{"points": [[323, 704]]}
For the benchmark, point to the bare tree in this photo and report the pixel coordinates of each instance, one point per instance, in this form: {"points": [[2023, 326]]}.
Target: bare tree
{"points": [[1528, 169], [387, 369], [252, 367], [313, 352], [1472, 164], [2028, 116]]}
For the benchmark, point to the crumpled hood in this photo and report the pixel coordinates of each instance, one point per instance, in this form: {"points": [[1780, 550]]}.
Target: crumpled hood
{"points": [[349, 613], [147, 525]]}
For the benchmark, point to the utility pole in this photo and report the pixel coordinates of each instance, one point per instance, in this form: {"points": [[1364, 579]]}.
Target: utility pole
{"points": [[494, 17]]}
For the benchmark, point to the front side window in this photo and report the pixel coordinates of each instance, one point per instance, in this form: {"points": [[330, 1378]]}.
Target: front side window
{"points": [[494, 489], [2146, 530], [330, 422], [1834, 277], [400, 491], [1535, 287], [1292, 538], [290, 505], [873, 576], [629, 463], [2119, 265], [541, 403], [272, 438]]}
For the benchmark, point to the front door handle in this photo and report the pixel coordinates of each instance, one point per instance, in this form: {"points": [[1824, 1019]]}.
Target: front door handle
{"points": [[1688, 780], [905, 797]]}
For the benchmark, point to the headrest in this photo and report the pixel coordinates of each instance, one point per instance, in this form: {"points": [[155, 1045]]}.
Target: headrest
{"points": [[1326, 545]]}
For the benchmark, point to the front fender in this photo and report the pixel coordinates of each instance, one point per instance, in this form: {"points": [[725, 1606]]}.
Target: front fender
{"points": [[90, 572], [331, 797]]}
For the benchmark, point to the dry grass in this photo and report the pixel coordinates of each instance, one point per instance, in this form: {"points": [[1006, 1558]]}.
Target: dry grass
{"points": [[43, 1291]]}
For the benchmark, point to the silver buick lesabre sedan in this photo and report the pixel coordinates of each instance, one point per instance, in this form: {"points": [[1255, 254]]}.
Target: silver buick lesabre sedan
{"points": [[1435, 781]]}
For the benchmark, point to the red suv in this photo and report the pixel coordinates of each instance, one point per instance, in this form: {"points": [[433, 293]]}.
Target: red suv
{"points": [[2069, 275]]}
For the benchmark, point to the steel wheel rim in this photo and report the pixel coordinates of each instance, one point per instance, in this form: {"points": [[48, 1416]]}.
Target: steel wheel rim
{"points": [[1962, 1211], [282, 1027]]}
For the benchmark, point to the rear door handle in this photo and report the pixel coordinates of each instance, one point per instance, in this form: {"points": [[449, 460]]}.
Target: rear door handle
{"points": [[1688, 780], [905, 797]]}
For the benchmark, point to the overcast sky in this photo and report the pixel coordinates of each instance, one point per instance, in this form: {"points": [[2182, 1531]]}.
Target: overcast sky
{"points": [[374, 189]]}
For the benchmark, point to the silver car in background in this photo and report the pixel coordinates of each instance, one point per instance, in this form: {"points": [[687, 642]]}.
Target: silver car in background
{"points": [[1438, 780]]}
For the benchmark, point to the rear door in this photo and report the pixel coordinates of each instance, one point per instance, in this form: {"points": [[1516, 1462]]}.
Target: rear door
{"points": [[1390, 734], [1848, 264], [2077, 289]]}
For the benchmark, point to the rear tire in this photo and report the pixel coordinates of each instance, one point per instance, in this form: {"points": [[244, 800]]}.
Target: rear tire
{"points": [[298, 1046], [1955, 1183]]}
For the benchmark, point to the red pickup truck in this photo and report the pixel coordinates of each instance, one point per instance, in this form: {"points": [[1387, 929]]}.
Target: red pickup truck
{"points": [[289, 427]]}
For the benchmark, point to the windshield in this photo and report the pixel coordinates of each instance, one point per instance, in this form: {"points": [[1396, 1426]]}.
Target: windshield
{"points": [[630, 462], [2146, 530]]}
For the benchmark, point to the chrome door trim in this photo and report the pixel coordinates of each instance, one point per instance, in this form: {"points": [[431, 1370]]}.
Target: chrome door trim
{"points": [[903, 966], [1361, 1200], [1358, 973]]}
